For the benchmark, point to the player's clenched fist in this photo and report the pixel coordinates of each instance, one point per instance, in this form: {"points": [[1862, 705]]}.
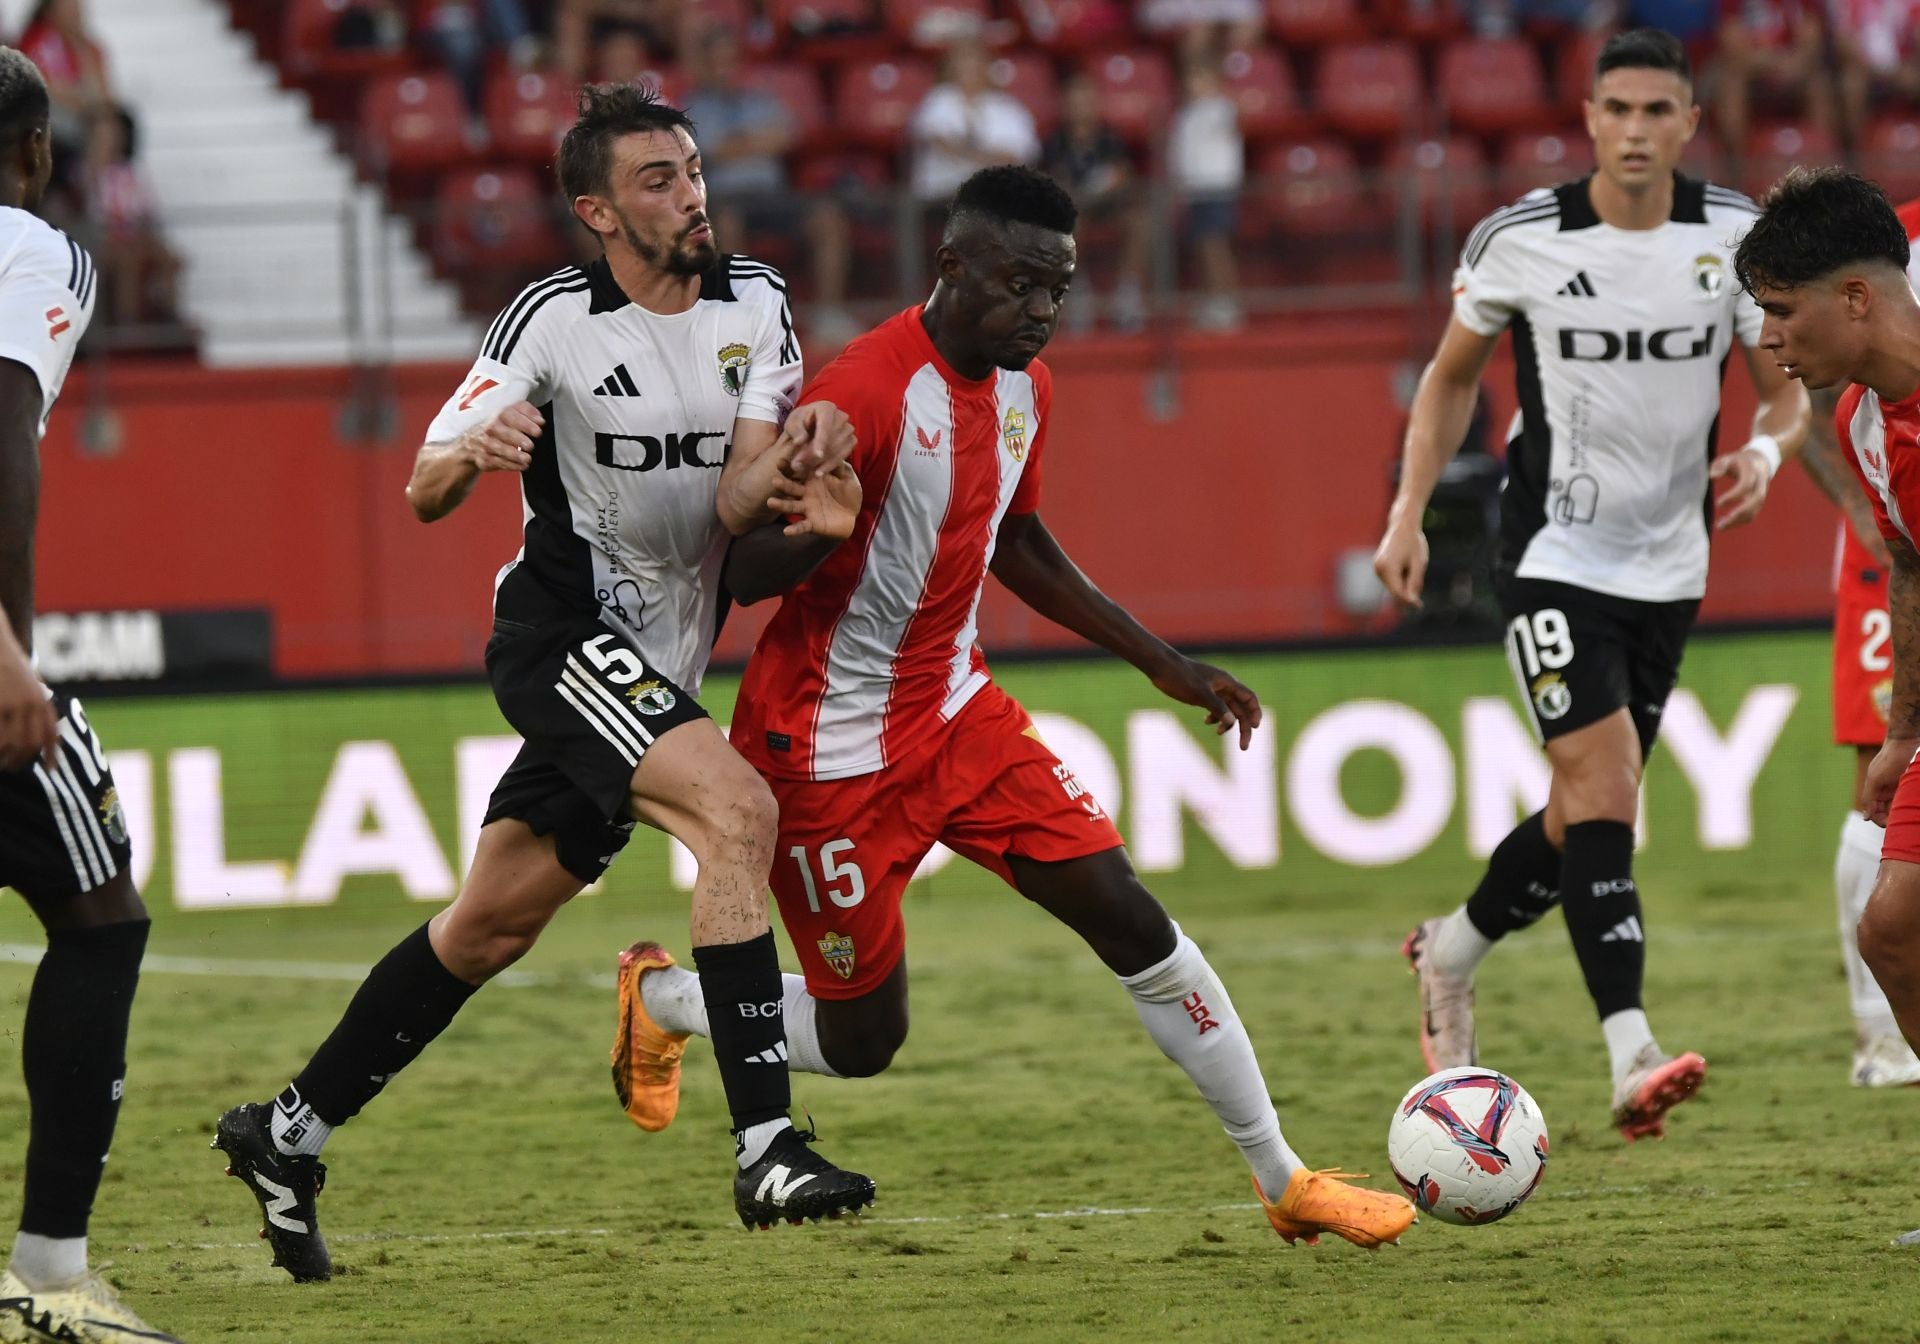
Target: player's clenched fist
{"points": [[504, 442], [28, 729]]}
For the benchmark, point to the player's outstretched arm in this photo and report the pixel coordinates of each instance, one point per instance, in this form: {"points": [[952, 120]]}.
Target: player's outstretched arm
{"points": [[1031, 565], [1779, 429], [1903, 713], [444, 473], [778, 557], [1442, 410], [769, 465], [1820, 455], [27, 725]]}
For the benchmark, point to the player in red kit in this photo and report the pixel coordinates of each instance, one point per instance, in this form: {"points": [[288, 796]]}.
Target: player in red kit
{"points": [[1862, 691], [869, 707], [1827, 262]]}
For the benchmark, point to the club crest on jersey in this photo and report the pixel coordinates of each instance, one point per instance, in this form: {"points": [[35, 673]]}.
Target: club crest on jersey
{"points": [[1550, 695], [735, 360], [650, 697], [1014, 433], [1709, 275], [113, 817], [837, 948]]}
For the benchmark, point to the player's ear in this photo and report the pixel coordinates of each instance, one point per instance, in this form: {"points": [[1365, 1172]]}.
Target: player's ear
{"points": [[595, 213], [1857, 295], [950, 266]]}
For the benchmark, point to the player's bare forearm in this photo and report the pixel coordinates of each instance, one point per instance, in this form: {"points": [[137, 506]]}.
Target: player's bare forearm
{"points": [[1030, 564], [443, 476], [19, 494], [767, 562], [1437, 424]]}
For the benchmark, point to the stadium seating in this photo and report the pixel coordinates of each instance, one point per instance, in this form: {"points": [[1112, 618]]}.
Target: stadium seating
{"points": [[1311, 189], [1447, 178], [413, 123], [1573, 73], [1493, 86], [826, 31], [1066, 27], [1542, 159], [1771, 150], [307, 44], [1370, 90], [527, 113], [496, 216], [1136, 92], [1314, 23], [930, 24], [1891, 154], [797, 88], [873, 101], [1028, 76], [1421, 20], [1262, 87]]}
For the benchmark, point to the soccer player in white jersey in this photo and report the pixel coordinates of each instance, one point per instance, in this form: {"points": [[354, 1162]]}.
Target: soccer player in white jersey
{"points": [[1862, 697], [641, 401], [1619, 291], [63, 836]]}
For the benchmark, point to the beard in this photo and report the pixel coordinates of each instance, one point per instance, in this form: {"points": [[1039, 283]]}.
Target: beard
{"points": [[676, 257]]}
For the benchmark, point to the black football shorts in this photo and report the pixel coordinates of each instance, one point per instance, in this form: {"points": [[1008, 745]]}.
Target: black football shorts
{"points": [[1579, 655], [62, 830]]}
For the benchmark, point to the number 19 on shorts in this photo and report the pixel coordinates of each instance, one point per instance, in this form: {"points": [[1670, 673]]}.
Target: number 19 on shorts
{"points": [[832, 873], [1540, 639]]}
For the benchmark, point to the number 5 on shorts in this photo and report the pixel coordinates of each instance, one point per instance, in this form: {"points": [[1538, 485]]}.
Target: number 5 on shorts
{"points": [[622, 666], [831, 872]]}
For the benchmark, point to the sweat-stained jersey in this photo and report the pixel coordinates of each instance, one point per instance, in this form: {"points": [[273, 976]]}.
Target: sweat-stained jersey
{"points": [[46, 300], [619, 498], [876, 649], [1620, 339]]}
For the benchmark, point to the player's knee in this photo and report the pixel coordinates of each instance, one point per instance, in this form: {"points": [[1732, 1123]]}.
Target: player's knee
{"points": [[1887, 941], [742, 826], [478, 952]]}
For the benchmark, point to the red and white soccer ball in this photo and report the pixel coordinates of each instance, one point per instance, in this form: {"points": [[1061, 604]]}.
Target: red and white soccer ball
{"points": [[1468, 1145]]}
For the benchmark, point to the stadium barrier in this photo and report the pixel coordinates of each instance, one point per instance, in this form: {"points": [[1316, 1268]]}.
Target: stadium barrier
{"points": [[1372, 767]]}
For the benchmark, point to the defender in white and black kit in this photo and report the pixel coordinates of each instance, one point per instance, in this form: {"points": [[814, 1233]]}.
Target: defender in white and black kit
{"points": [[647, 401], [1620, 294], [63, 835]]}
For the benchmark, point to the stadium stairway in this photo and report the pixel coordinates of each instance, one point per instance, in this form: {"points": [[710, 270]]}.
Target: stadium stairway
{"points": [[288, 259]]}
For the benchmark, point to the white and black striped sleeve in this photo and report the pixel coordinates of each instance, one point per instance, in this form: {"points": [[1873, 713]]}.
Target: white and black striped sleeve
{"points": [[516, 360], [1488, 288], [1734, 213], [776, 374], [47, 287]]}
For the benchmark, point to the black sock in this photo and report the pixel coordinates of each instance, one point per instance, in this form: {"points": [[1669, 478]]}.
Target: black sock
{"points": [[1602, 906], [405, 1001], [73, 1051], [1522, 881], [744, 994]]}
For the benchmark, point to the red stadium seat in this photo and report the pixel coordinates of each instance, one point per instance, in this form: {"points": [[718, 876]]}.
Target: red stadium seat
{"points": [[1543, 159], [492, 217], [1448, 180], [1314, 23], [1421, 20], [1311, 189], [1493, 85], [826, 174], [1370, 90], [797, 87], [1065, 26], [1261, 85], [527, 113], [307, 43], [1136, 91], [1771, 150], [414, 123], [830, 30], [873, 101], [931, 24], [1573, 72], [1891, 154], [1028, 77]]}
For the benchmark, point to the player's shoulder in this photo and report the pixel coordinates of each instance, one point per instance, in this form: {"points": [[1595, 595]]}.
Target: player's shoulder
{"points": [[568, 290], [30, 245], [738, 278], [1537, 213], [1704, 202]]}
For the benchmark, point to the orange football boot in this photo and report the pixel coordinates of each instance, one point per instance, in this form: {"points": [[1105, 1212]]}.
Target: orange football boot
{"points": [[646, 1056], [1321, 1201]]}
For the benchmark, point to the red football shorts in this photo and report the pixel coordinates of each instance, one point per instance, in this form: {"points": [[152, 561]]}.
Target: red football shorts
{"points": [[1862, 650], [985, 786], [1903, 818]]}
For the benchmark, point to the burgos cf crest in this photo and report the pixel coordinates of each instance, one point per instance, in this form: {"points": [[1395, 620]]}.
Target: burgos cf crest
{"points": [[1709, 275], [650, 697], [113, 817], [735, 360], [1014, 433], [837, 948]]}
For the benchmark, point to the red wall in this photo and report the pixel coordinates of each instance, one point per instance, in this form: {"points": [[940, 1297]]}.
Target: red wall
{"points": [[1221, 522]]}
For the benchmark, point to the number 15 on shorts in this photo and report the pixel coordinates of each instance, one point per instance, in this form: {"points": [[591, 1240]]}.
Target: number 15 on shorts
{"points": [[832, 872]]}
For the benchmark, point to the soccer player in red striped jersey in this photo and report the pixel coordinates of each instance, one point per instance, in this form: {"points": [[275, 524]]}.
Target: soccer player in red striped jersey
{"points": [[1827, 263], [869, 707]]}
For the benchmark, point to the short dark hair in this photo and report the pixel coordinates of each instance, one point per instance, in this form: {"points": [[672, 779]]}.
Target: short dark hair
{"points": [[1815, 221], [24, 105], [607, 112], [1643, 49], [1013, 194]]}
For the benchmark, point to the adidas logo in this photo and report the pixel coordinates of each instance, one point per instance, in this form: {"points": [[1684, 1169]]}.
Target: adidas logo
{"points": [[1626, 931], [619, 383], [1580, 287], [777, 1054]]}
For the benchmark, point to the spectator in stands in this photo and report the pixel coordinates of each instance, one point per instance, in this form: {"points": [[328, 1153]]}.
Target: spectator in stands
{"points": [[139, 270], [58, 40], [1878, 46], [1205, 27], [1207, 164], [1770, 51], [371, 25], [965, 124], [465, 33], [579, 26], [743, 135], [1087, 157]]}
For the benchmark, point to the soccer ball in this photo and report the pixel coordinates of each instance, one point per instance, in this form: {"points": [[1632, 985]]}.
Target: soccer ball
{"points": [[1467, 1145]]}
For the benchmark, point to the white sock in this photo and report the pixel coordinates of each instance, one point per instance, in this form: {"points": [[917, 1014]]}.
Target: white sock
{"points": [[1627, 1035], [295, 1129], [1458, 948], [672, 996], [1186, 1010], [48, 1262], [751, 1143], [1856, 865]]}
